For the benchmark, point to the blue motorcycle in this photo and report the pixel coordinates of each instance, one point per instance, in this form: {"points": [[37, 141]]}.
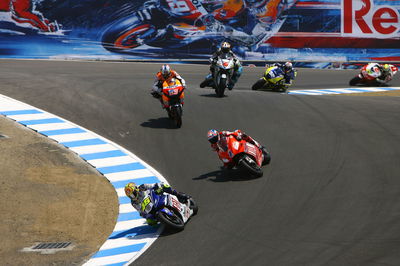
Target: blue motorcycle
{"points": [[168, 210]]}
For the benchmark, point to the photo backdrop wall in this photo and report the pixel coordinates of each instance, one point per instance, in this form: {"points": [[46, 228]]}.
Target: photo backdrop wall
{"points": [[320, 30]]}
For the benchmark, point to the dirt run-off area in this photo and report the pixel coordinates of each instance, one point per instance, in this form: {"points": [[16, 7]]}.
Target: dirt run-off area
{"points": [[49, 194]]}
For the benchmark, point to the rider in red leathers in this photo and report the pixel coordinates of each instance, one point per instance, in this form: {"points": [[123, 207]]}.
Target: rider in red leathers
{"points": [[215, 137], [22, 12]]}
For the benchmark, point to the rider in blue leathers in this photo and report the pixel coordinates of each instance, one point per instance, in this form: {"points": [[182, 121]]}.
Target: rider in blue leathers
{"points": [[278, 70], [138, 193]]}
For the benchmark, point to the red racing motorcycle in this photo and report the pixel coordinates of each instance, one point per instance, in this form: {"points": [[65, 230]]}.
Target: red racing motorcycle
{"points": [[242, 154]]}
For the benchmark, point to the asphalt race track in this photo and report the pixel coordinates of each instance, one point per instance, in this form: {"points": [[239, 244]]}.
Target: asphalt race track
{"points": [[329, 197]]}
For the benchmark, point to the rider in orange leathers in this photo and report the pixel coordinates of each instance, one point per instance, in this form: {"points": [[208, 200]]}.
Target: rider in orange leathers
{"points": [[22, 12], [165, 74]]}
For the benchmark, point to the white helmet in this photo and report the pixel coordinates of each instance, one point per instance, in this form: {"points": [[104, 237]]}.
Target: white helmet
{"points": [[165, 71], [225, 47], [287, 67]]}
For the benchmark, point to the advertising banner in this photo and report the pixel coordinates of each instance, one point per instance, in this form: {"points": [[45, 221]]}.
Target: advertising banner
{"points": [[320, 30]]}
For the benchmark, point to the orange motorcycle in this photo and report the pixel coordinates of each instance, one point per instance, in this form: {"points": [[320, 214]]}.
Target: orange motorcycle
{"points": [[172, 99], [242, 154]]}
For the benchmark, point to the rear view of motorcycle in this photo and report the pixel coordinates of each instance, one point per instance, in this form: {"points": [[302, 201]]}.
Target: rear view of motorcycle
{"points": [[172, 99]]}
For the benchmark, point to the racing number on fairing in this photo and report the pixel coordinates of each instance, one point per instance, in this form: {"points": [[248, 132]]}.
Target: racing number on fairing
{"points": [[146, 204], [176, 204], [173, 91]]}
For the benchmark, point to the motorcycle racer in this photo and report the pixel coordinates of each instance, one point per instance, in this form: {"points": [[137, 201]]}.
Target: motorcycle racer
{"points": [[381, 73], [374, 74], [165, 74], [238, 69], [216, 139], [22, 11], [278, 70], [138, 193]]}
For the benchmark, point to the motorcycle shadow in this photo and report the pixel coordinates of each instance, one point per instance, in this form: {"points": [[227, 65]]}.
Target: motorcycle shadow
{"points": [[272, 91], [212, 95], [139, 232], [372, 85], [162, 122], [226, 175]]}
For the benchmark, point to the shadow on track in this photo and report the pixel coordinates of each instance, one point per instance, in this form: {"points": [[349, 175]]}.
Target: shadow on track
{"points": [[212, 95], [162, 122], [226, 176]]}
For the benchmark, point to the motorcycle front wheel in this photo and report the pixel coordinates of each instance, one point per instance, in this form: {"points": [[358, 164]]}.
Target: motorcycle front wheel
{"points": [[221, 87], [250, 167], [174, 221]]}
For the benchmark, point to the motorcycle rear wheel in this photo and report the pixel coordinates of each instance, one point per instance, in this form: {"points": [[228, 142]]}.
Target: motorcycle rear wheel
{"points": [[193, 206], [252, 168], [267, 157], [177, 116], [174, 222]]}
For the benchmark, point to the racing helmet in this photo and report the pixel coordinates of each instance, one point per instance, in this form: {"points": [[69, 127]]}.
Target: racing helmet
{"points": [[213, 136], [165, 71], [386, 68], [287, 67], [225, 47], [132, 191], [377, 69]]}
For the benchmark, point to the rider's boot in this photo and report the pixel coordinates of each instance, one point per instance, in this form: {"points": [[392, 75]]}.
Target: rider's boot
{"points": [[206, 82]]}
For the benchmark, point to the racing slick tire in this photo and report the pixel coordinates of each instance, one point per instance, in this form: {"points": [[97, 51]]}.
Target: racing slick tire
{"points": [[174, 222], [221, 88], [258, 85], [252, 168], [193, 206], [267, 157]]}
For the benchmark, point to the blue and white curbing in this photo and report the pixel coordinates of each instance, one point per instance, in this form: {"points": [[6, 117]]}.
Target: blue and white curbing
{"points": [[342, 90], [131, 236]]}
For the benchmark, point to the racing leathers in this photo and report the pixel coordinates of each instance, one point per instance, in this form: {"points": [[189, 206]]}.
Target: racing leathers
{"points": [[276, 72], [239, 135], [379, 73], [159, 188], [238, 69], [158, 83]]}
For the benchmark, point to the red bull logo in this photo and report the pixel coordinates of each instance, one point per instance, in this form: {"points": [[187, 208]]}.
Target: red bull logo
{"points": [[361, 18]]}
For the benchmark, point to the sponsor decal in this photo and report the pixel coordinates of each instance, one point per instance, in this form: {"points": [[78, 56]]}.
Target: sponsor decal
{"points": [[362, 18]]}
